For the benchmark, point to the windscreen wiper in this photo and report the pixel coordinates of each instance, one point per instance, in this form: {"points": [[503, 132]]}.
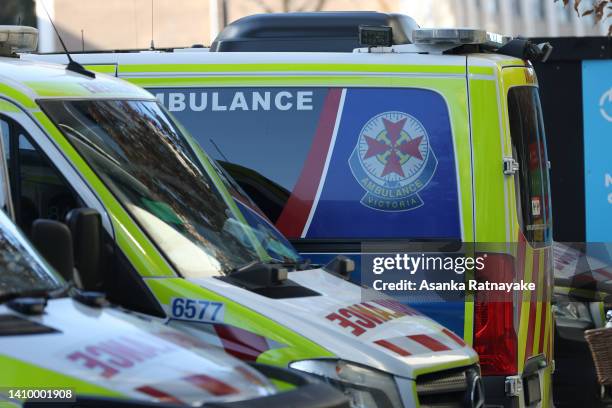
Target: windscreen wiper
{"points": [[258, 274], [32, 302], [298, 264], [35, 293]]}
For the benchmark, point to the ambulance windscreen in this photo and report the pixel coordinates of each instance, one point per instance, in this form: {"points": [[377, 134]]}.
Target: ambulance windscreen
{"points": [[149, 166]]}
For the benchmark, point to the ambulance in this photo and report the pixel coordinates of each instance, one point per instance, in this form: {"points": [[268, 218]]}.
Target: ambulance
{"points": [[350, 130], [163, 231], [64, 346]]}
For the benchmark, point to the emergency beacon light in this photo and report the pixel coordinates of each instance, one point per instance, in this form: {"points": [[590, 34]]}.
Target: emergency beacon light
{"points": [[17, 39]]}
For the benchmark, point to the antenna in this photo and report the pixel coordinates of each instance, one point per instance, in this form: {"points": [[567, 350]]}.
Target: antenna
{"points": [[219, 150], [152, 43], [82, 41], [72, 64]]}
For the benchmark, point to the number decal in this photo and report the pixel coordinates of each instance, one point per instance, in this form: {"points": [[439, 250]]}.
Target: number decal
{"points": [[190, 310], [197, 310], [204, 305]]}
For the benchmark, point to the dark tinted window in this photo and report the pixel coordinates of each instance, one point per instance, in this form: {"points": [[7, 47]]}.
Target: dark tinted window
{"points": [[529, 150], [38, 189]]}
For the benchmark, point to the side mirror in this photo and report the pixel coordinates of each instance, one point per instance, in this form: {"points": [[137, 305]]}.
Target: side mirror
{"points": [[341, 265], [85, 224], [54, 241]]}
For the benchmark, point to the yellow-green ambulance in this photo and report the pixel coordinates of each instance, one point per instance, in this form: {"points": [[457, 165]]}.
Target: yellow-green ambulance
{"points": [[179, 242], [417, 134]]}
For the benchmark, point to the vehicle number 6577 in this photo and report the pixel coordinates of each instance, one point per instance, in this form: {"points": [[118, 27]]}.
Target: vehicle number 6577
{"points": [[198, 310]]}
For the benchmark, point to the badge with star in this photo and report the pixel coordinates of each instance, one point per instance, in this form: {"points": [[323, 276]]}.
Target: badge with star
{"points": [[393, 161]]}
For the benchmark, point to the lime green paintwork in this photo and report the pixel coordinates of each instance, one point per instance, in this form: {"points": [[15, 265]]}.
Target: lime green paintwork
{"points": [[488, 177], [297, 347], [18, 96], [481, 70], [17, 373], [7, 107], [395, 68], [46, 89], [109, 69], [26, 81], [539, 295]]}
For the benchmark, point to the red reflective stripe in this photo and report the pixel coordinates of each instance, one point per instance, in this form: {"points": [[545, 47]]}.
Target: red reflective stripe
{"points": [[241, 343], [158, 394], [429, 342], [210, 384], [604, 273], [453, 336], [293, 218], [396, 349]]}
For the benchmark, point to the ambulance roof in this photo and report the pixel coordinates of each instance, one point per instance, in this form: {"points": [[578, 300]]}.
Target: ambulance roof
{"points": [[136, 63], [27, 81]]}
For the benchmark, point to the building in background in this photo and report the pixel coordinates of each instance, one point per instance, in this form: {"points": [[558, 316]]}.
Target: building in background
{"points": [[136, 24], [16, 12], [529, 18]]}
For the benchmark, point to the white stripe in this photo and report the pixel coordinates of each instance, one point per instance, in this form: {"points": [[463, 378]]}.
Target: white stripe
{"points": [[330, 151], [411, 346], [482, 77]]}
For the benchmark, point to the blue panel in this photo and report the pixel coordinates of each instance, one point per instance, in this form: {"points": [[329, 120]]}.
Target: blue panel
{"points": [[385, 185], [449, 314], [597, 105]]}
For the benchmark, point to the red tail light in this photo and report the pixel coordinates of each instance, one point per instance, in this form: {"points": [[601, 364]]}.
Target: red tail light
{"points": [[495, 339]]}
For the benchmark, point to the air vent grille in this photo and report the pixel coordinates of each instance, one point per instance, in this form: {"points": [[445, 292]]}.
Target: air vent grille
{"points": [[456, 388]]}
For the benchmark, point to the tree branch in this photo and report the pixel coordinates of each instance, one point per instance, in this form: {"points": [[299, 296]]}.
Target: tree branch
{"points": [[264, 6]]}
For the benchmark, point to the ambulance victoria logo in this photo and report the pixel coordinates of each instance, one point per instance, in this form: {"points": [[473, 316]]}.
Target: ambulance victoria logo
{"points": [[393, 161]]}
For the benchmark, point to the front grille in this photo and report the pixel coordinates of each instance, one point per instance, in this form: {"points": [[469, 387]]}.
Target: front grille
{"points": [[447, 389]]}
